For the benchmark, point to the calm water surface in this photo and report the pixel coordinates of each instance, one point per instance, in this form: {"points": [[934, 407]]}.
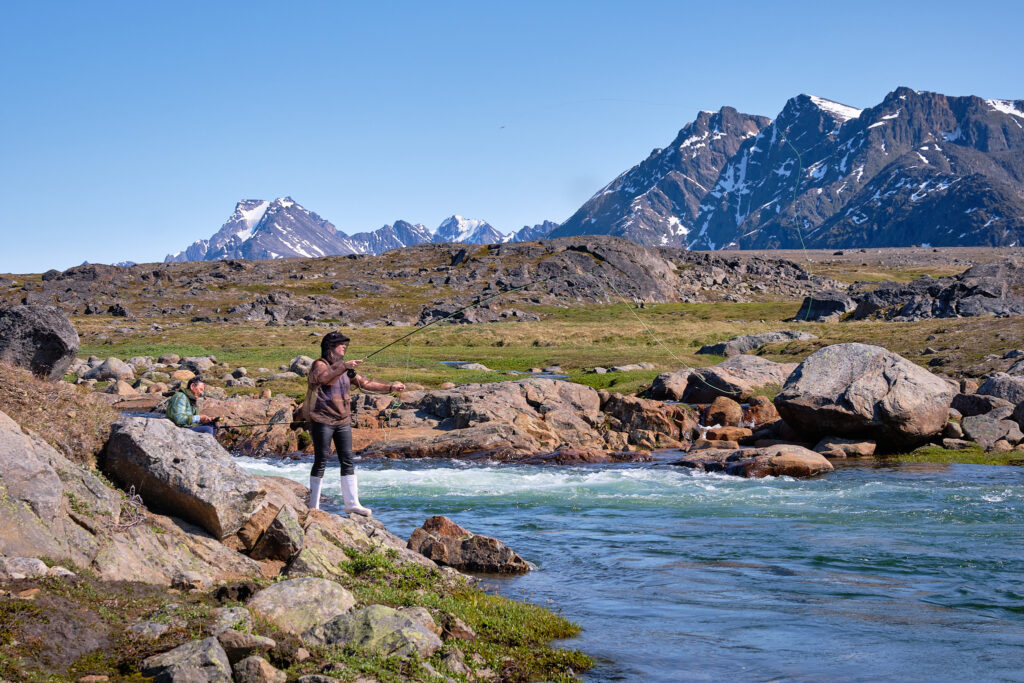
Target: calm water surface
{"points": [[908, 573]]}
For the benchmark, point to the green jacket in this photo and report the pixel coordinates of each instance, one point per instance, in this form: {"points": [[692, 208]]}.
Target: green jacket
{"points": [[180, 410]]}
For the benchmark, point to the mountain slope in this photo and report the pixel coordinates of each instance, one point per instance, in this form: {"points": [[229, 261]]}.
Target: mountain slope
{"points": [[918, 168], [657, 201]]}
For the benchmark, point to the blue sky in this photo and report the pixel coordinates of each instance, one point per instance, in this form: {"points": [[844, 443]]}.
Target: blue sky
{"points": [[129, 130]]}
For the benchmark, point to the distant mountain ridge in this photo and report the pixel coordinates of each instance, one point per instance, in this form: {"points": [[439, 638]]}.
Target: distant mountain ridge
{"points": [[261, 229], [918, 168]]}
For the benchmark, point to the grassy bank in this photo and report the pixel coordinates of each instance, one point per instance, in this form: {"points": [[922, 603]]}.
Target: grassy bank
{"points": [[512, 637], [576, 339]]}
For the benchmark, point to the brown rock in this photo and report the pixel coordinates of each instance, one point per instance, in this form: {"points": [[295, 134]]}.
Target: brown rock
{"points": [[725, 412], [848, 447], [182, 375], [1002, 446], [728, 433], [445, 542], [282, 540], [258, 523], [705, 444], [238, 645], [257, 670], [777, 461], [761, 411]]}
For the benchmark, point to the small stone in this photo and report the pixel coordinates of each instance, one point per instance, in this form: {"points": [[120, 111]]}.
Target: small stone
{"points": [[1002, 446], [224, 618], [150, 630], [28, 594], [92, 678]]}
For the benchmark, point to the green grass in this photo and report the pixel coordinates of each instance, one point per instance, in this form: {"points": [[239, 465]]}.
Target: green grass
{"points": [[967, 456], [512, 637]]}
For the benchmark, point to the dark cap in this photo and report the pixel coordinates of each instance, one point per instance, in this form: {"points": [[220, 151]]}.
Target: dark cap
{"points": [[330, 340]]}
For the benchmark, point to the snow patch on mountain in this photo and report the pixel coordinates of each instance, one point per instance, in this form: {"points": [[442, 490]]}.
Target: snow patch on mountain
{"points": [[842, 112]]}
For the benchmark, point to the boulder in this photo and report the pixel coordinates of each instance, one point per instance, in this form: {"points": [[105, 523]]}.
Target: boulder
{"points": [[379, 629], [254, 426], [182, 472], [1018, 414], [736, 378], [182, 375], [674, 421], [1004, 386], [111, 369], [977, 404], [300, 365], [670, 386], [198, 364], [824, 306], [121, 388], [169, 359], [447, 543], [986, 431], [761, 411], [282, 540], [297, 605], [238, 645], [255, 669], [752, 342], [724, 412], [728, 434], [1017, 369], [38, 338], [865, 392], [197, 660], [15, 568], [778, 461]]}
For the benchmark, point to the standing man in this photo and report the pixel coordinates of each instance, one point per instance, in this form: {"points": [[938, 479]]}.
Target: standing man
{"points": [[329, 407], [183, 412]]}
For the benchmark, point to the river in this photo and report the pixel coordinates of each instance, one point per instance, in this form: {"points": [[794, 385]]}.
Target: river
{"points": [[913, 572]]}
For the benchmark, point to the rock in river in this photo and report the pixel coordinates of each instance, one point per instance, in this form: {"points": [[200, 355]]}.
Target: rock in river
{"points": [[860, 391], [447, 543]]}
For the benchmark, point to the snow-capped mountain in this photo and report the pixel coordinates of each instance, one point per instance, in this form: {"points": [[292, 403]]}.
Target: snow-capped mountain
{"points": [[468, 230], [918, 168], [260, 229], [657, 201], [531, 233], [401, 234]]}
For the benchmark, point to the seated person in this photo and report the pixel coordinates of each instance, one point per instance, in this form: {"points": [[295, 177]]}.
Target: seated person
{"points": [[182, 410]]}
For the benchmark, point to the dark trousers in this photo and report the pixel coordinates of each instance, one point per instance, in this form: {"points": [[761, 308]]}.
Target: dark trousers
{"points": [[204, 429], [322, 436]]}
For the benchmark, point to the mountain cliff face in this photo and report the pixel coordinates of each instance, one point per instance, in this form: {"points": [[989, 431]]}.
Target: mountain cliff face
{"points": [[401, 234], [918, 168], [657, 201]]}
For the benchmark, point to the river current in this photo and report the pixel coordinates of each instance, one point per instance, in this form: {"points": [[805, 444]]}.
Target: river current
{"points": [[913, 572]]}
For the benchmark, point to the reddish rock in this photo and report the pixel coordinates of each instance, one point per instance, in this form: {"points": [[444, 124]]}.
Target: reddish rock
{"points": [[725, 412], [847, 447], [705, 444], [761, 411], [447, 543], [728, 434]]}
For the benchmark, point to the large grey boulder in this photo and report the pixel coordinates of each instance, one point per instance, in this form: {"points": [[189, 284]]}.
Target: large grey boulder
{"points": [[670, 386], [298, 605], [1004, 386], [736, 378], [183, 473], [860, 391], [378, 628], [752, 342], [195, 661], [39, 338], [775, 461]]}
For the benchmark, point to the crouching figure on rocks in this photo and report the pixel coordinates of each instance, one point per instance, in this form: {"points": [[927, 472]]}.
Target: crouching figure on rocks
{"points": [[182, 410], [328, 407]]}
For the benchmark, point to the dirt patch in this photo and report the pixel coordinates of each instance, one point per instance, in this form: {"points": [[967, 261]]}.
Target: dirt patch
{"points": [[70, 419]]}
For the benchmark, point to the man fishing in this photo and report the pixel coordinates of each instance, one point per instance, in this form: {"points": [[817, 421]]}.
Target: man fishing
{"points": [[182, 410], [329, 410]]}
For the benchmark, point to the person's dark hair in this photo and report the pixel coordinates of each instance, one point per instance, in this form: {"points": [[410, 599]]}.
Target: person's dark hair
{"points": [[330, 340], [194, 381]]}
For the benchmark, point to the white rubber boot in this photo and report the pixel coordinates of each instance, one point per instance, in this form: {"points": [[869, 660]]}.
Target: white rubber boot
{"points": [[314, 492], [350, 492]]}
